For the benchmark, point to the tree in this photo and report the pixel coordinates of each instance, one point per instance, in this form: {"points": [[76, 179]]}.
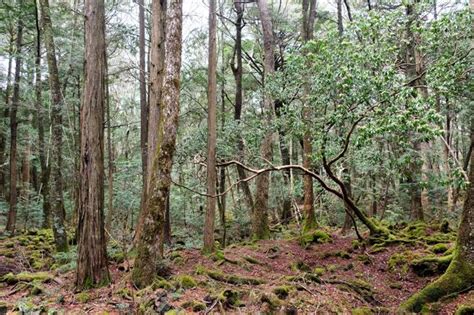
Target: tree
{"points": [[92, 269], [149, 262], [260, 229], [460, 274], [211, 130], [309, 16], [59, 213], [157, 72], [11, 222]]}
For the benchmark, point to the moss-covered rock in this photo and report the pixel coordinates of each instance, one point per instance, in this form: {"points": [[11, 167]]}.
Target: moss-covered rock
{"points": [[319, 271], [300, 266], [230, 298], [11, 278], [162, 284], [314, 237], [430, 265], [185, 281]]}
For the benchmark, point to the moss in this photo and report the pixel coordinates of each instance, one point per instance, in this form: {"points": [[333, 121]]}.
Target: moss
{"points": [[83, 297], [201, 270], [11, 278], [300, 266], [162, 284], [319, 271], [229, 298], [439, 248], [185, 281], [272, 301], [430, 265], [195, 306], [458, 277], [356, 244], [36, 289], [125, 293], [8, 252], [362, 311], [465, 310], [401, 261], [331, 268], [283, 291], [174, 255], [314, 237]]}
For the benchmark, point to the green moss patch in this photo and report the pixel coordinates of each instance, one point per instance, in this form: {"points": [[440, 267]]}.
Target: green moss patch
{"points": [[314, 237]]}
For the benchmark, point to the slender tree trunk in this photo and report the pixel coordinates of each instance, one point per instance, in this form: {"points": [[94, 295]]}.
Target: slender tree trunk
{"points": [[92, 269], [260, 229], [211, 130], [40, 121], [309, 16], [110, 157], [11, 222], [149, 262], [222, 200], [143, 96], [59, 213], [6, 114], [157, 71], [236, 66]]}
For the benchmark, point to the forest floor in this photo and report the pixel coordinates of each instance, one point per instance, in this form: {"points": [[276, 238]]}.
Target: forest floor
{"points": [[297, 274]]}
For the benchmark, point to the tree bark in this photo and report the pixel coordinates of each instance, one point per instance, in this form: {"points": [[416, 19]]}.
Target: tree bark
{"points": [[92, 269], [149, 261], [143, 96], [40, 121], [260, 229], [236, 66], [309, 16], [157, 71], [211, 130], [59, 213], [6, 114], [11, 222]]}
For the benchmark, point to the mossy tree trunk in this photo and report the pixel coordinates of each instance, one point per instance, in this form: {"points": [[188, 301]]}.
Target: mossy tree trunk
{"points": [[59, 214], [156, 69], [260, 229], [149, 262], [92, 268], [460, 274], [11, 222]]}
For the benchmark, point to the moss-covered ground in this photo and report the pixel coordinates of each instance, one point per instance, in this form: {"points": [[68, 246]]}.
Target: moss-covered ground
{"points": [[318, 272]]}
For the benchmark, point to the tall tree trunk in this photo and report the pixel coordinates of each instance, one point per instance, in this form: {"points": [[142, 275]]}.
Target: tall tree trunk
{"points": [[222, 199], [237, 71], [149, 262], [40, 121], [157, 72], [260, 229], [92, 269], [6, 114], [414, 72], [11, 222], [309, 16], [110, 157], [143, 97], [59, 213], [211, 130]]}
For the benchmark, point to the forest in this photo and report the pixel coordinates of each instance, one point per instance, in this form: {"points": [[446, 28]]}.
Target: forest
{"points": [[236, 157]]}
